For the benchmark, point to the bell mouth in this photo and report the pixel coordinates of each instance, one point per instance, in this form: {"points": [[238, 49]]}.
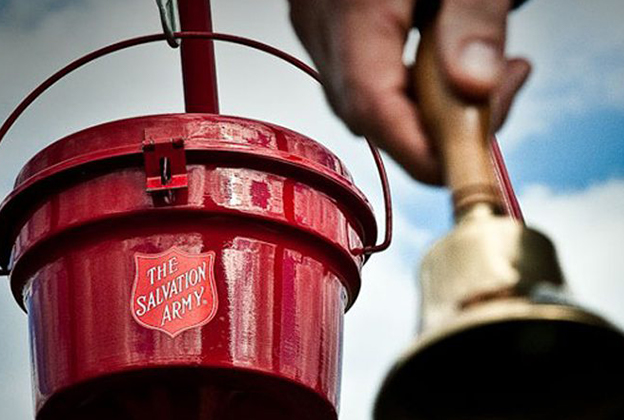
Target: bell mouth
{"points": [[526, 361]]}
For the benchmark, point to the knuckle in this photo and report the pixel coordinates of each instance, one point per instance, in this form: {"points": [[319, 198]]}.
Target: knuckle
{"points": [[359, 109]]}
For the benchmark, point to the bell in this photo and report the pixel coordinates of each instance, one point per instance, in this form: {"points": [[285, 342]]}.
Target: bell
{"points": [[499, 337]]}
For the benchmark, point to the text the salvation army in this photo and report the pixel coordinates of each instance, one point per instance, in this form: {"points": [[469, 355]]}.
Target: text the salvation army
{"points": [[179, 293]]}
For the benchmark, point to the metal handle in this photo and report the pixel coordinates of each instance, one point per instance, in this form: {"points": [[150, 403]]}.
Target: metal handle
{"points": [[459, 129], [74, 65]]}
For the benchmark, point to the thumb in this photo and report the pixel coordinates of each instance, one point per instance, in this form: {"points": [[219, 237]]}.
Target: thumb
{"points": [[517, 71], [471, 44]]}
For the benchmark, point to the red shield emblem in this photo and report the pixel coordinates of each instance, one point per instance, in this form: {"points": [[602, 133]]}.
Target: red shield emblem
{"points": [[174, 291]]}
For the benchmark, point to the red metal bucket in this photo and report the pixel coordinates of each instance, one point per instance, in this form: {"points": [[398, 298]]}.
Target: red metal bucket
{"points": [[187, 266], [219, 293]]}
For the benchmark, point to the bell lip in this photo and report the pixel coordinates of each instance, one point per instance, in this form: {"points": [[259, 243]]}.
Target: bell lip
{"points": [[512, 310]]}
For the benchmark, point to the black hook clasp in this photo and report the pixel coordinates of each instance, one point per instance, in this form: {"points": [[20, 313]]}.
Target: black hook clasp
{"points": [[170, 20]]}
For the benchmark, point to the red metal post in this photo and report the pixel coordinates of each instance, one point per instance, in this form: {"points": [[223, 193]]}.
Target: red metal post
{"points": [[199, 71]]}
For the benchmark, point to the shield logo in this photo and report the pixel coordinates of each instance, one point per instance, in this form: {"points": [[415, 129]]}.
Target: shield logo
{"points": [[174, 291]]}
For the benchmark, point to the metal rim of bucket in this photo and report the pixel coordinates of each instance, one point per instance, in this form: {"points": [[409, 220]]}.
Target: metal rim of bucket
{"points": [[76, 64], [38, 176]]}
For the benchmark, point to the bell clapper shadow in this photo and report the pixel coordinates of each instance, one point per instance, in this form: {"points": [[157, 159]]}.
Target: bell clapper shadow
{"points": [[499, 339]]}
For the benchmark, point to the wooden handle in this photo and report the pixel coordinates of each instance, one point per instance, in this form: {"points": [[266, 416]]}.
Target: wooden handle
{"points": [[459, 129]]}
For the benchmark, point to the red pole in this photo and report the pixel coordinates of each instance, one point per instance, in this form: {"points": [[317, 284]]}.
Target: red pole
{"points": [[199, 71]]}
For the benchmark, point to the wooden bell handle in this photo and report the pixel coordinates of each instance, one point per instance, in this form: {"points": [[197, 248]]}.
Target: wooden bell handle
{"points": [[460, 130]]}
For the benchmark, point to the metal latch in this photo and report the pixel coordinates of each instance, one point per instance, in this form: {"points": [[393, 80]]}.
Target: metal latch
{"points": [[165, 160], [169, 19]]}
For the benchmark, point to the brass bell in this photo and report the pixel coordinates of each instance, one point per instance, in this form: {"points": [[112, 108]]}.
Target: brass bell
{"points": [[499, 338]]}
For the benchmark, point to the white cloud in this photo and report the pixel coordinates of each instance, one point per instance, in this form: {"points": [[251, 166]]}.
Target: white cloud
{"points": [[587, 228], [15, 386], [577, 49], [382, 321], [140, 81]]}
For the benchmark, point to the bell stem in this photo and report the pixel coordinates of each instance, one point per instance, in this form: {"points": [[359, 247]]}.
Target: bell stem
{"points": [[460, 130]]}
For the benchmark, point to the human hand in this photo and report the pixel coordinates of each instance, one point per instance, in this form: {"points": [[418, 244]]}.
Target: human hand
{"points": [[357, 46]]}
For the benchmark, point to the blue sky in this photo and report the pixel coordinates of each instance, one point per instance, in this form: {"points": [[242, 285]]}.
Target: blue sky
{"points": [[577, 153], [563, 144]]}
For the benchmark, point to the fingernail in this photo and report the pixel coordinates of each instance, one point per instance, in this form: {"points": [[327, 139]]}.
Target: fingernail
{"points": [[480, 60]]}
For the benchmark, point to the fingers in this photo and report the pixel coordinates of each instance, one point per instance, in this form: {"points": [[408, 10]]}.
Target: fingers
{"points": [[357, 46], [516, 72], [395, 126], [370, 84], [471, 44]]}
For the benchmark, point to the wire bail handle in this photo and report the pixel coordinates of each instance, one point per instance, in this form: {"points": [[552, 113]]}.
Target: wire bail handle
{"points": [[121, 45]]}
